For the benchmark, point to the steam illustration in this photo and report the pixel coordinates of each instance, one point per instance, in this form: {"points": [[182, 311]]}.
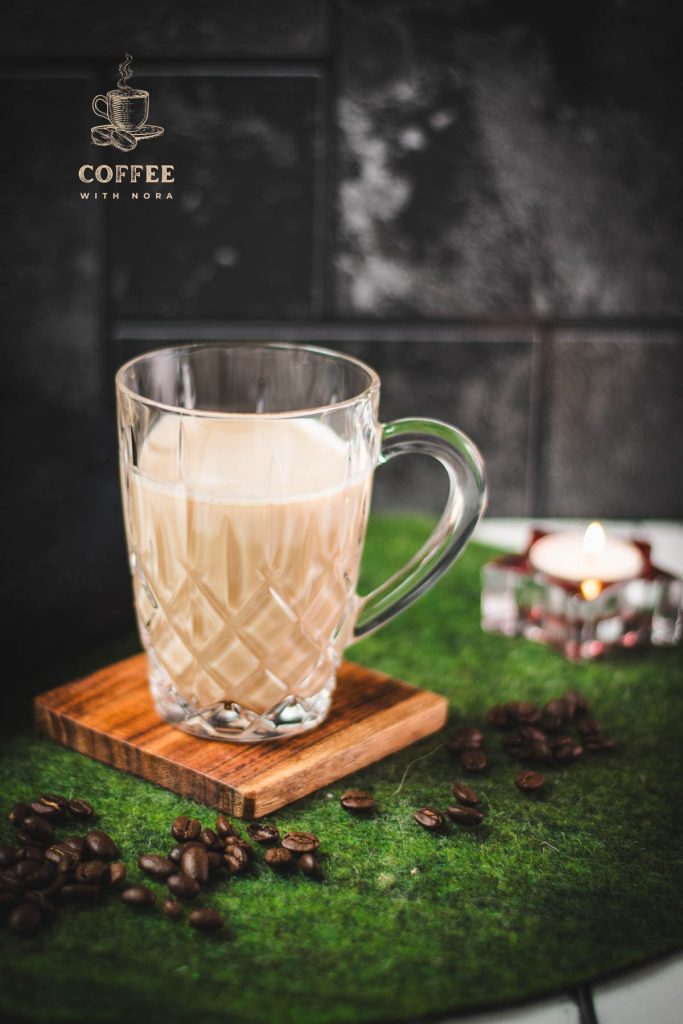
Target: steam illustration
{"points": [[125, 72], [125, 111]]}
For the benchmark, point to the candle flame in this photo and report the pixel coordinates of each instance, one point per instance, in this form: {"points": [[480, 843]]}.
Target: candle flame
{"points": [[590, 589], [593, 540]]}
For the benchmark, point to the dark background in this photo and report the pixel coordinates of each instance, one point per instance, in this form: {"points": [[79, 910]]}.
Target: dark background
{"points": [[482, 199]]}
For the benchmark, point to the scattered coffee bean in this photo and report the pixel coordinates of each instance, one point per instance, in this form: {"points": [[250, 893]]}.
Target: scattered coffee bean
{"points": [[8, 855], [34, 875], [172, 909], [497, 716], [263, 833], [465, 815], [117, 873], [47, 811], [564, 753], [185, 829], [62, 856], [156, 866], [31, 853], [473, 761], [309, 865], [45, 905], [588, 727], [232, 841], [574, 703], [359, 801], [183, 886], [301, 842], [26, 918], [18, 813], [96, 872], [278, 858], [194, 862], [468, 737], [38, 829], [206, 919], [81, 808], [78, 893], [236, 859], [540, 752], [465, 794], [138, 896], [528, 782], [215, 859], [429, 818], [224, 827], [99, 844], [75, 843], [210, 839], [523, 711]]}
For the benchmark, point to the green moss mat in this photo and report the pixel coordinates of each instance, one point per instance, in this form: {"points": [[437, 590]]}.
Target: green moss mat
{"points": [[543, 896]]}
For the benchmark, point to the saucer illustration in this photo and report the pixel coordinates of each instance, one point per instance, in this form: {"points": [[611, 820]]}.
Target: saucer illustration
{"points": [[125, 111]]}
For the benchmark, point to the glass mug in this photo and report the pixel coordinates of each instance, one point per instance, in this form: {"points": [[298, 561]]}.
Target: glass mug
{"points": [[246, 473]]}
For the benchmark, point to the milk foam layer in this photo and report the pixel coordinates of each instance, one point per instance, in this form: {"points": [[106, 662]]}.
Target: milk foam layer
{"points": [[247, 535]]}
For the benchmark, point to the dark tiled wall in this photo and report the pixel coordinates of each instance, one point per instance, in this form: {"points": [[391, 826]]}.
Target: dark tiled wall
{"points": [[480, 198]]}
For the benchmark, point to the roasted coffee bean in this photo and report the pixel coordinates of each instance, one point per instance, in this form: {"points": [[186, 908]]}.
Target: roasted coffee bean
{"points": [[33, 875], [194, 862], [465, 794], [8, 855], [55, 800], [175, 852], [468, 737], [473, 761], [172, 909], [81, 808], [236, 858], [532, 733], [185, 829], [574, 703], [278, 858], [24, 839], [523, 711], [559, 741], [577, 751], [75, 843], [72, 893], [588, 727], [541, 752], [512, 743], [225, 827], [215, 859], [553, 714], [465, 815], [38, 829], [359, 801], [10, 880], [205, 919], [309, 865], [236, 841], [429, 818], [263, 833], [183, 886], [99, 844], [158, 867], [210, 839], [497, 716], [117, 873], [36, 853], [47, 811], [528, 782], [26, 918], [94, 872], [18, 813], [138, 896], [41, 901], [301, 842], [564, 754], [62, 856]]}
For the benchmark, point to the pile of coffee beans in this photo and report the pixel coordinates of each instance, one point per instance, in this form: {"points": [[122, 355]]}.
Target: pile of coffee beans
{"points": [[463, 812]]}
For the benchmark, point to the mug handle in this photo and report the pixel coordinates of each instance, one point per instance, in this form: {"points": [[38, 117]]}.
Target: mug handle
{"points": [[465, 506], [96, 109]]}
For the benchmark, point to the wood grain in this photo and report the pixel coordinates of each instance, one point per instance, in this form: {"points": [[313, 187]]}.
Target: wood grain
{"points": [[110, 716]]}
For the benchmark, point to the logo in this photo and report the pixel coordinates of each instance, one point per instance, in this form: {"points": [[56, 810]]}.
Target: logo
{"points": [[125, 111]]}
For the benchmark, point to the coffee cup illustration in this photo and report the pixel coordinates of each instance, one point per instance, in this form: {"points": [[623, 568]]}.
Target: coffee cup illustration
{"points": [[125, 111]]}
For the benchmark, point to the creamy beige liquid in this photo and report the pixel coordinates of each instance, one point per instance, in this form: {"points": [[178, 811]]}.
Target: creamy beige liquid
{"points": [[247, 536]]}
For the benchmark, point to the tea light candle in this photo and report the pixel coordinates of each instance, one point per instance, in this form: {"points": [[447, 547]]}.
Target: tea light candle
{"points": [[584, 558]]}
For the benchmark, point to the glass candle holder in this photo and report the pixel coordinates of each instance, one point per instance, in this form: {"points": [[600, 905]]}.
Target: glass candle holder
{"points": [[582, 620]]}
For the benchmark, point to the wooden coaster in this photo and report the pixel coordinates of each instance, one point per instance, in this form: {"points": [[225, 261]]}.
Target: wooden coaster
{"points": [[110, 716]]}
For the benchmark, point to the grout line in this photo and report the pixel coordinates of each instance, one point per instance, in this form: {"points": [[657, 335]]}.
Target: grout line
{"points": [[583, 997]]}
